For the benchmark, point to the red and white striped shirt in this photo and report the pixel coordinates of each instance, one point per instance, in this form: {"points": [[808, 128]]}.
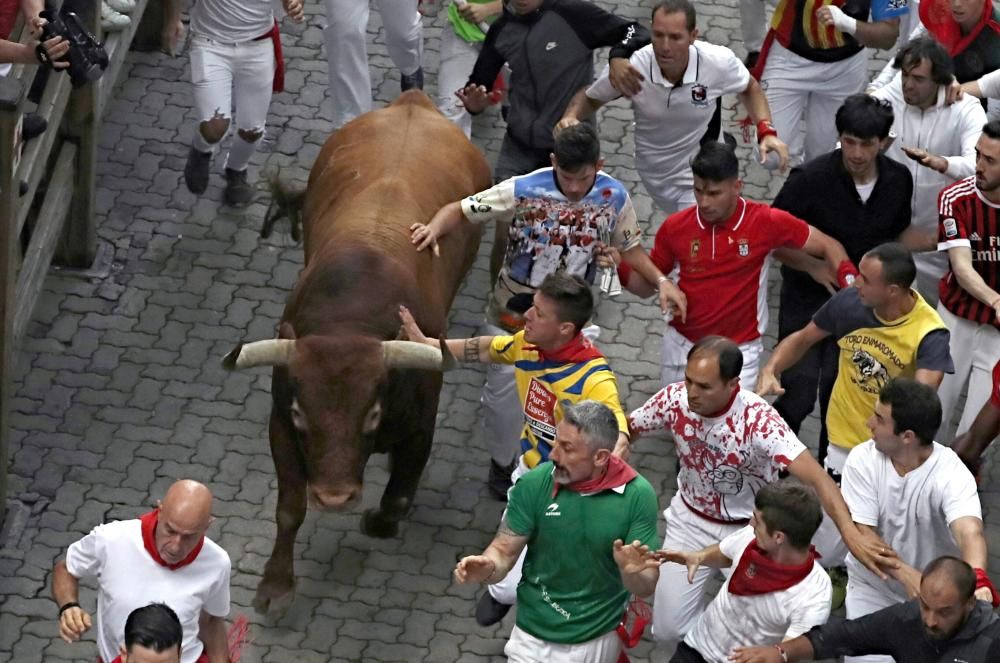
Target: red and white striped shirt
{"points": [[967, 219], [723, 267]]}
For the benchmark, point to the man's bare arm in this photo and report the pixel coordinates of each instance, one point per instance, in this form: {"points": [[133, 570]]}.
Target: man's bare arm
{"points": [[496, 561], [212, 633]]}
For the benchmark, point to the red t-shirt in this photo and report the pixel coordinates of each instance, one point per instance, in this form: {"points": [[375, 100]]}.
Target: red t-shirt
{"points": [[967, 219], [8, 17], [723, 268]]}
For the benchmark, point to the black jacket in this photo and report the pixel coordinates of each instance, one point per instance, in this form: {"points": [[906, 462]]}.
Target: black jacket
{"points": [[550, 52], [822, 193], [897, 631]]}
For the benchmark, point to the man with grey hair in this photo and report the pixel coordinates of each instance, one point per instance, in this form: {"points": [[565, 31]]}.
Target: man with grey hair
{"points": [[583, 505]]}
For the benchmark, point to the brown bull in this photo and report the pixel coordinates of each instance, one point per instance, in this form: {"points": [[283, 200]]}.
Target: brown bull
{"points": [[342, 388]]}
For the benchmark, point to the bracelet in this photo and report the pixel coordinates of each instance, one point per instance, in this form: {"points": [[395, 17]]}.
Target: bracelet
{"points": [[784, 656], [765, 129], [66, 606], [662, 279]]}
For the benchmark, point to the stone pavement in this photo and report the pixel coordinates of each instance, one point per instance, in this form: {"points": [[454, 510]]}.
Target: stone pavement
{"points": [[121, 390]]}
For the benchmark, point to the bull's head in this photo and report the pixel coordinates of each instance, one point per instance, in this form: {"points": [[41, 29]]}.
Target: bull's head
{"points": [[331, 401]]}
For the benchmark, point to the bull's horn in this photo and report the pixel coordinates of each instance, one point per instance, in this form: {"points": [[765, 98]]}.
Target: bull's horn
{"points": [[272, 352], [407, 354]]}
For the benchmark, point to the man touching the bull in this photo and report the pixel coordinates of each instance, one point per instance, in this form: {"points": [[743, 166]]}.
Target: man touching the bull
{"points": [[553, 364], [574, 204]]}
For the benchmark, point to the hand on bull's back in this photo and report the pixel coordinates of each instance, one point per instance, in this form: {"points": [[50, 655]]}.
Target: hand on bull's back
{"points": [[424, 236], [410, 327]]}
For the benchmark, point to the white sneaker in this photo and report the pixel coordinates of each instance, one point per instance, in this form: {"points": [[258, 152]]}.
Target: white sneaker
{"points": [[121, 6], [111, 20]]}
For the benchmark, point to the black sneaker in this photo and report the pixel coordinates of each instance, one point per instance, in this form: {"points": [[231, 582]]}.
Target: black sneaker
{"points": [[489, 611], [414, 80], [238, 190], [196, 170], [499, 480]]}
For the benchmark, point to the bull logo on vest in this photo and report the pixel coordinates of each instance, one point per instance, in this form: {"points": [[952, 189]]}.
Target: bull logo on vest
{"points": [[699, 95], [870, 370]]}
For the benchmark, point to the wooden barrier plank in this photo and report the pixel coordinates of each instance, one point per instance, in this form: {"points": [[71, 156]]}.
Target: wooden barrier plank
{"points": [[12, 94], [36, 151], [45, 237]]}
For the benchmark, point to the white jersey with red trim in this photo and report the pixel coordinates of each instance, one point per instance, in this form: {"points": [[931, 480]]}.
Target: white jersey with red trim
{"points": [[724, 460]]}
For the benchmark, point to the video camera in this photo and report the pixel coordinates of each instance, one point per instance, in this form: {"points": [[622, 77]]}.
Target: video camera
{"points": [[87, 57]]}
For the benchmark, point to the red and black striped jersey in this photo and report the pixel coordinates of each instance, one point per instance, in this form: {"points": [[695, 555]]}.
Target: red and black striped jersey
{"points": [[967, 219]]}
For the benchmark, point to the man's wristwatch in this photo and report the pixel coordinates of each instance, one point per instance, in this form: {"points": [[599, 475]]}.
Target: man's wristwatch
{"points": [[66, 606]]}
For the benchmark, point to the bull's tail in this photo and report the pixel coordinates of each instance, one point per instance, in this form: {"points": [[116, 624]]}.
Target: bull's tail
{"points": [[286, 202]]}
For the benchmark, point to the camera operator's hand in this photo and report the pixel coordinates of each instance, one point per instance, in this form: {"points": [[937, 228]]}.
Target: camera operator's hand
{"points": [[56, 49], [170, 38]]}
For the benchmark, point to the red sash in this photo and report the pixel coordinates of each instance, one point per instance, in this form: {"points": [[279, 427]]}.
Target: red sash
{"points": [[756, 573], [274, 34], [149, 521]]}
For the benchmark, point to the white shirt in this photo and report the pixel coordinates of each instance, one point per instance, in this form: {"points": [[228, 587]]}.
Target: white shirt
{"points": [[232, 21], [946, 131], [670, 120], [989, 85], [128, 578], [732, 621], [724, 459], [912, 513]]}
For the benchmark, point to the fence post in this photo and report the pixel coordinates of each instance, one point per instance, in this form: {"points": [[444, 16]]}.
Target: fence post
{"points": [[79, 241], [12, 94]]}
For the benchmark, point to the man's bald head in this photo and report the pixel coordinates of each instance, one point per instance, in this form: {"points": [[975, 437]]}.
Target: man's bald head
{"points": [[185, 514], [947, 597]]}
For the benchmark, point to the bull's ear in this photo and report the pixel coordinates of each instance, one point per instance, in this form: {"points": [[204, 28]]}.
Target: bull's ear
{"points": [[448, 361]]}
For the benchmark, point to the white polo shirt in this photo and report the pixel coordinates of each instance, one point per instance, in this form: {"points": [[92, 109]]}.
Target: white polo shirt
{"points": [[912, 513], [732, 621], [128, 578], [670, 120]]}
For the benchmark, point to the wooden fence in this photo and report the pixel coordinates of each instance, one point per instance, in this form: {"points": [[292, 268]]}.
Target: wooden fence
{"points": [[47, 188]]}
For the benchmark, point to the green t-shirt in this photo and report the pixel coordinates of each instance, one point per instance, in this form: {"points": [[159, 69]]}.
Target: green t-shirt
{"points": [[470, 32], [571, 590]]}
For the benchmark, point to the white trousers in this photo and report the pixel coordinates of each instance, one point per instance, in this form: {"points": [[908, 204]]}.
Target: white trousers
{"points": [[675, 348], [753, 24], [797, 88], [863, 599], [224, 74], [505, 591], [347, 52], [457, 60], [827, 539], [975, 349], [525, 648], [678, 604], [670, 199]]}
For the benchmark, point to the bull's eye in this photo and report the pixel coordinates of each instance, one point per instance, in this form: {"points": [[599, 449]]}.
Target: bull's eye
{"points": [[298, 417], [372, 419]]}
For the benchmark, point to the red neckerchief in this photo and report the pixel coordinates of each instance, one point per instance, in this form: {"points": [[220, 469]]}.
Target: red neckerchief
{"points": [[756, 573], [936, 17], [577, 351], [618, 474], [149, 521]]}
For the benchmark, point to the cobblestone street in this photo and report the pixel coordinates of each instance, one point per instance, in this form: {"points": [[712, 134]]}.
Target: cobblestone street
{"points": [[121, 389]]}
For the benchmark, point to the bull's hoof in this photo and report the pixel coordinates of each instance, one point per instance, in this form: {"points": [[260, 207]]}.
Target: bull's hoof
{"points": [[376, 525], [273, 602]]}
